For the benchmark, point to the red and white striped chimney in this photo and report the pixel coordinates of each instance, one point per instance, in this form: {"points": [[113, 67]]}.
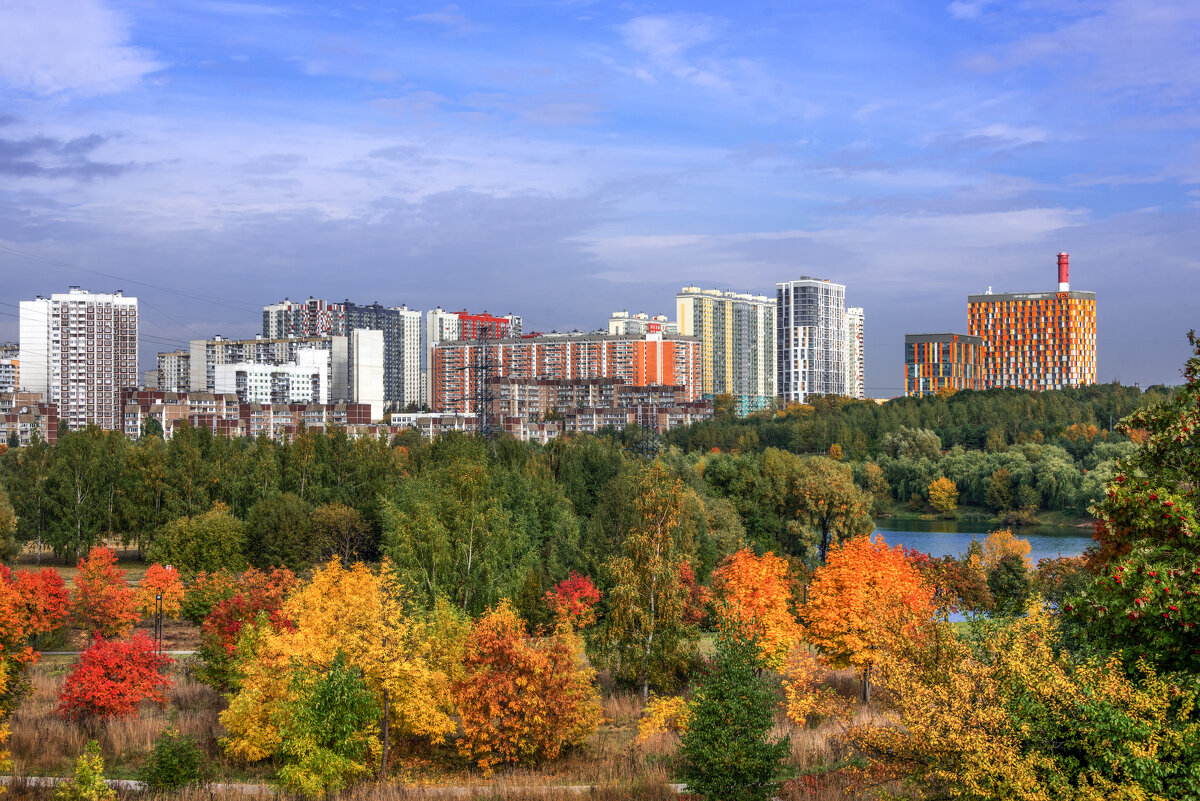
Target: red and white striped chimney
{"points": [[1064, 281]]}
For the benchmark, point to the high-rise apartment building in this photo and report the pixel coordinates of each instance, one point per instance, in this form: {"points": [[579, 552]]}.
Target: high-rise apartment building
{"points": [[1036, 340], [80, 350], [737, 339], [400, 325], [174, 371], [10, 367], [819, 341], [622, 322], [942, 361], [447, 326], [650, 359], [856, 383]]}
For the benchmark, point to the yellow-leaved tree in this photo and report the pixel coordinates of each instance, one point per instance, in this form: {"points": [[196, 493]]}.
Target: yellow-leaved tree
{"points": [[364, 616], [1002, 543], [943, 495], [754, 593], [1014, 716]]}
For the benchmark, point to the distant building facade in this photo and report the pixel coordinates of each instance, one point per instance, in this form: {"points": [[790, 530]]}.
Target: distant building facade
{"points": [[1036, 340], [665, 359], [10, 367], [935, 362], [224, 414], [856, 383], [79, 350], [447, 326], [24, 415], [737, 336], [819, 341], [622, 322], [174, 371]]}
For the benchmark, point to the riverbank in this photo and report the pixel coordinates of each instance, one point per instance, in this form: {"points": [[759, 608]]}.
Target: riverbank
{"points": [[980, 515]]}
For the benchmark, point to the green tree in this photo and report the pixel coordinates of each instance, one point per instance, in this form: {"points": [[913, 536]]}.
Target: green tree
{"points": [[829, 504], [279, 533], [1143, 601], [77, 492], [212, 542], [175, 762], [447, 532], [1010, 585], [726, 751], [644, 636], [999, 491], [9, 547], [338, 529], [330, 723]]}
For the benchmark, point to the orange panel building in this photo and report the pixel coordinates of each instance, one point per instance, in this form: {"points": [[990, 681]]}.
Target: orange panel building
{"points": [[1036, 340], [942, 361], [637, 359]]}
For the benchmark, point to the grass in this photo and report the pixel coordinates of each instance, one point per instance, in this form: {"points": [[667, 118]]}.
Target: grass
{"points": [[127, 560], [44, 744]]}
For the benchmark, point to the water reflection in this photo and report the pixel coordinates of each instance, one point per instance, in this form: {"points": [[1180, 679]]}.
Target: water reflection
{"points": [[939, 537]]}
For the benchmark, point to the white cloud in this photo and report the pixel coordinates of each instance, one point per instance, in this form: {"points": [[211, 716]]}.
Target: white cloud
{"points": [[664, 39], [968, 9], [76, 47], [449, 17]]}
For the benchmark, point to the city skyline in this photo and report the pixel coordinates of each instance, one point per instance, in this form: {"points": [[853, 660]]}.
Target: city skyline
{"points": [[563, 160]]}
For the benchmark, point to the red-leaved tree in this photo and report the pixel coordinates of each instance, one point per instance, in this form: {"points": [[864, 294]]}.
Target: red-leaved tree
{"points": [[112, 677], [259, 593], [573, 600], [47, 601], [104, 605]]}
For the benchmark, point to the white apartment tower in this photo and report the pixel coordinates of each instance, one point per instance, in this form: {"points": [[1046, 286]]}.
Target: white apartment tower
{"points": [[80, 349], [856, 360], [440, 326], [818, 340]]}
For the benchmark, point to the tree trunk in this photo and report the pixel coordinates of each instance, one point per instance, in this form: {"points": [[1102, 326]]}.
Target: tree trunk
{"points": [[384, 735], [866, 686]]}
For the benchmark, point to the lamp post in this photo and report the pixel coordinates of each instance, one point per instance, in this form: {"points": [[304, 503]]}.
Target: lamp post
{"points": [[158, 623]]}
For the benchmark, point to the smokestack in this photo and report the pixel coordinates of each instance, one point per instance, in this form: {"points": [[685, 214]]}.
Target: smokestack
{"points": [[1064, 284]]}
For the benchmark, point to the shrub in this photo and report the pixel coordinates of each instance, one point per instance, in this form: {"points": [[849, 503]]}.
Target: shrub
{"points": [[88, 782], [112, 677], [175, 762]]}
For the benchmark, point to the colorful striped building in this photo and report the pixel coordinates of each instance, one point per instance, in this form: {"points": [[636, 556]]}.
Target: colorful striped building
{"points": [[1036, 340], [942, 361]]}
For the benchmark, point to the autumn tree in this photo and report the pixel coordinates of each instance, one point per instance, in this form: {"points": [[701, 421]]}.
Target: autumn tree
{"points": [[164, 581], [1002, 543], [754, 593], [212, 541], [727, 752], [112, 677], [644, 635], [257, 596], [943, 496], [366, 616], [522, 700], [864, 598], [999, 491], [829, 504], [102, 603], [573, 601], [1010, 585], [1010, 714]]}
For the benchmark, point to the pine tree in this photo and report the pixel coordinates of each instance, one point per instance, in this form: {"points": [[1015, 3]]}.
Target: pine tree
{"points": [[726, 752]]}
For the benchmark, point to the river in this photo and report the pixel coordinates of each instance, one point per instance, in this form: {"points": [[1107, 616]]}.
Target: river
{"points": [[938, 537]]}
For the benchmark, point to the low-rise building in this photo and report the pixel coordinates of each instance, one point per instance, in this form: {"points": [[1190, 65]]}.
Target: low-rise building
{"points": [[24, 414]]}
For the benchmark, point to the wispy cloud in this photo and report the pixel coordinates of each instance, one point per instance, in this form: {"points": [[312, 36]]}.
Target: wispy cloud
{"points": [[74, 47], [664, 41], [451, 18]]}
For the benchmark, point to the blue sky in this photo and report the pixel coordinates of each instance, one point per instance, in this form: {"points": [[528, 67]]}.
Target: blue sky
{"points": [[564, 159]]}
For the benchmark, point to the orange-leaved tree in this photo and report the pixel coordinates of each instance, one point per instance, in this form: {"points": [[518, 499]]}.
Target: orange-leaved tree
{"points": [[103, 603], [754, 594], [164, 581], [866, 598], [522, 700]]}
